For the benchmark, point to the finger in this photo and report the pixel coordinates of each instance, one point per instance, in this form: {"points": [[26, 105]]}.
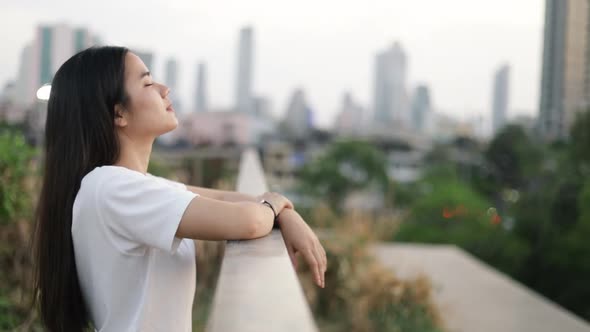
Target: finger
{"points": [[322, 264], [324, 256], [292, 252], [289, 203], [314, 265]]}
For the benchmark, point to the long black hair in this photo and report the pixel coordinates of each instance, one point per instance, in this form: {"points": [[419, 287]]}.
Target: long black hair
{"points": [[79, 136]]}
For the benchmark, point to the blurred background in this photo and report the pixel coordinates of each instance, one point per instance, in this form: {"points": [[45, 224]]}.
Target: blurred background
{"points": [[441, 149]]}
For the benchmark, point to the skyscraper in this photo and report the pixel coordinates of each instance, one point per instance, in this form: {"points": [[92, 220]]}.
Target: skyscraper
{"points": [[298, 119], [390, 100], [171, 76], [201, 93], [171, 80], [565, 83], [350, 118], [421, 109], [500, 97], [25, 83], [51, 47], [243, 102]]}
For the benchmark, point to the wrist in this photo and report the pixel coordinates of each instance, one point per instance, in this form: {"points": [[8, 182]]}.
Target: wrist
{"points": [[271, 206], [273, 210]]}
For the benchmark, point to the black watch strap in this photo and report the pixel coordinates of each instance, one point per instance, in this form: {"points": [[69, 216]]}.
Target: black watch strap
{"points": [[276, 216]]}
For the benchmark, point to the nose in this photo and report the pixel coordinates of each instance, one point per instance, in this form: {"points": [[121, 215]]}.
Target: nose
{"points": [[165, 91]]}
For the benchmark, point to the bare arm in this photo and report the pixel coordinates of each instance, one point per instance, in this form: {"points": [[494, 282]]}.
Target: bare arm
{"points": [[298, 237], [211, 219], [208, 218], [228, 215]]}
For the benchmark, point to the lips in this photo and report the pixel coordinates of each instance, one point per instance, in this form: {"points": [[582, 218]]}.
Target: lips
{"points": [[169, 108]]}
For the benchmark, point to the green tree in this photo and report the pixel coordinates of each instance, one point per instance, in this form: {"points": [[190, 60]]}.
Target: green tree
{"points": [[579, 146], [571, 256], [551, 216], [513, 157], [450, 211], [559, 267], [346, 166]]}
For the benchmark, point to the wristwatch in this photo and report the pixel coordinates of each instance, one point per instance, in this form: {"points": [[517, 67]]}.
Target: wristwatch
{"points": [[276, 216]]}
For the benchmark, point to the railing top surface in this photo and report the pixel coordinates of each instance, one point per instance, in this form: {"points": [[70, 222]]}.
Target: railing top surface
{"points": [[473, 296], [258, 289]]}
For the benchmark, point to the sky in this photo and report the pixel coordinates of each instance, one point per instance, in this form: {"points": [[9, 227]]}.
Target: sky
{"points": [[326, 47]]}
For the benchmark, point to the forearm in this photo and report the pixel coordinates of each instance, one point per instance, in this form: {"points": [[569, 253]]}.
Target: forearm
{"points": [[222, 195]]}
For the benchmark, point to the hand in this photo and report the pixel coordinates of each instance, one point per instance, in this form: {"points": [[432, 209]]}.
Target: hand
{"points": [[299, 238], [278, 201]]}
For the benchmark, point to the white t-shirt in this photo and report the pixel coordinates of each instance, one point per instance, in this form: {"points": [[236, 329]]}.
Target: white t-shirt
{"points": [[135, 275]]}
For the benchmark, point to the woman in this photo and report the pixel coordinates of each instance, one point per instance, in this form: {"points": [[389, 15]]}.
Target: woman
{"points": [[113, 243]]}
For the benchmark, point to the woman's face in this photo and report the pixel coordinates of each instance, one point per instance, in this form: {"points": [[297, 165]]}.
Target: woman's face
{"points": [[148, 112]]}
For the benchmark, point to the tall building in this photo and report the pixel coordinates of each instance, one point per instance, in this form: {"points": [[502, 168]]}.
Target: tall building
{"points": [[171, 80], [40, 59], [421, 110], [349, 119], [26, 82], [390, 100], [243, 102], [298, 120], [201, 102], [500, 97], [171, 75], [565, 83]]}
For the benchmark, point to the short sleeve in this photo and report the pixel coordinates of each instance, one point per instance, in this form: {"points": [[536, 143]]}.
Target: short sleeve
{"points": [[141, 210]]}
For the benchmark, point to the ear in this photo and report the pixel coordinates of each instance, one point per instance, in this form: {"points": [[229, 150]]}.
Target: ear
{"points": [[120, 116]]}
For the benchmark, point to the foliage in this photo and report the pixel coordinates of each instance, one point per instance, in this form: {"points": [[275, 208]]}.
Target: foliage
{"points": [[209, 258], [546, 222], [450, 211], [17, 182], [361, 294], [512, 155], [15, 170], [345, 167], [580, 143]]}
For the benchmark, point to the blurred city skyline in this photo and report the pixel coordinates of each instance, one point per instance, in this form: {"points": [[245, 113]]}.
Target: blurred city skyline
{"points": [[326, 48]]}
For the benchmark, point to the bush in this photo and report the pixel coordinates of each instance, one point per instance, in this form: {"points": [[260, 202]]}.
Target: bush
{"points": [[361, 294], [451, 212], [17, 183]]}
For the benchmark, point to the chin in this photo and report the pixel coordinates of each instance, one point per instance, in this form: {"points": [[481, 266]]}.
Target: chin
{"points": [[170, 127]]}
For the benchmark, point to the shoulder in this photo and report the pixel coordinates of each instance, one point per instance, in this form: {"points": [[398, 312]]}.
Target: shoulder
{"points": [[109, 171], [108, 178]]}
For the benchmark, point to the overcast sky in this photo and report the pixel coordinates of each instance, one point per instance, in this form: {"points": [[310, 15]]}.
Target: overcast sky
{"points": [[326, 47]]}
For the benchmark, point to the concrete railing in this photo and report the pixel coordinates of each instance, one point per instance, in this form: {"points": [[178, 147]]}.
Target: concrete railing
{"points": [[258, 289]]}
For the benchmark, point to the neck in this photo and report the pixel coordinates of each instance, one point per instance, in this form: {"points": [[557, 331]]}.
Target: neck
{"points": [[135, 153]]}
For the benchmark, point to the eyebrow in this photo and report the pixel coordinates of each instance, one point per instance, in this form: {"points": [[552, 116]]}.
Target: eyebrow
{"points": [[144, 74]]}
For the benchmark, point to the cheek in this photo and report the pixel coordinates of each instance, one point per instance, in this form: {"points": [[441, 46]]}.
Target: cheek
{"points": [[145, 100], [142, 98]]}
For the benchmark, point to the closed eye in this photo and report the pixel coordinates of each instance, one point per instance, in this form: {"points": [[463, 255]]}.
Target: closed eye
{"points": [[150, 84]]}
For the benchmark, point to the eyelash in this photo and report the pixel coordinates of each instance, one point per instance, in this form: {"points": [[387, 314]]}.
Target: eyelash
{"points": [[149, 84]]}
